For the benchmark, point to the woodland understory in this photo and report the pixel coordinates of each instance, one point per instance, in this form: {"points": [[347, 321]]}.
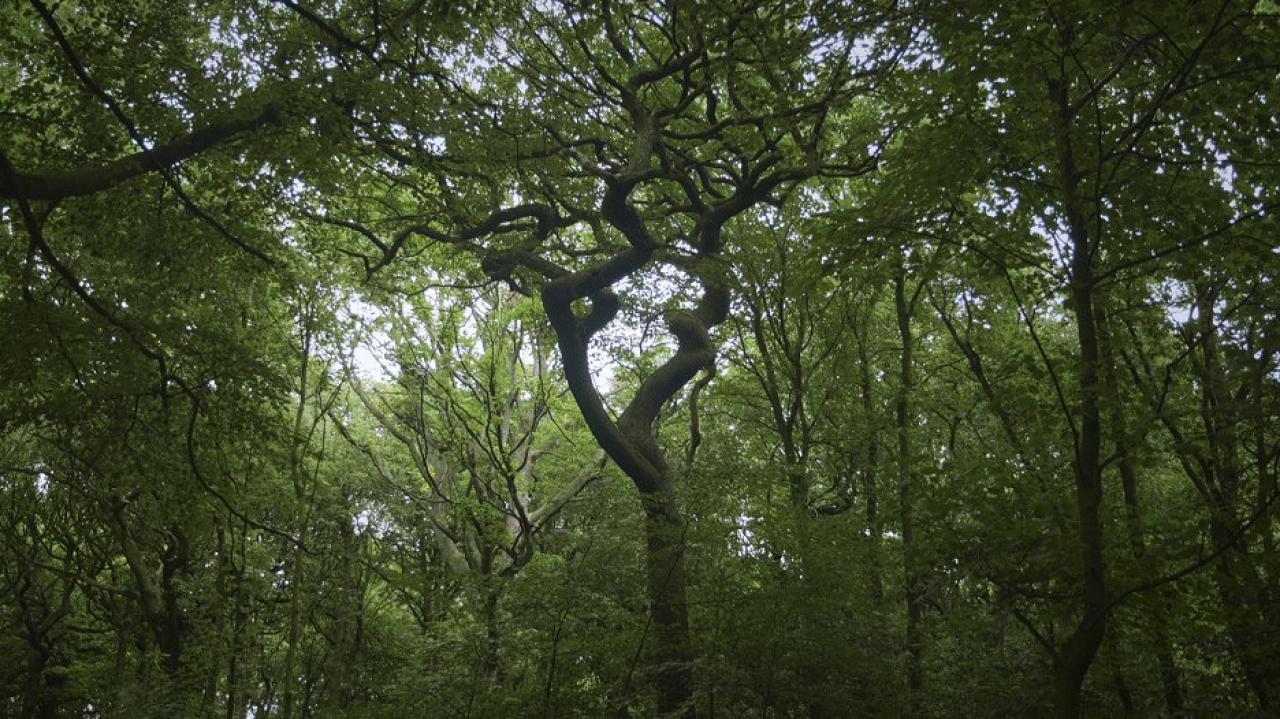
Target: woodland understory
{"points": [[600, 358]]}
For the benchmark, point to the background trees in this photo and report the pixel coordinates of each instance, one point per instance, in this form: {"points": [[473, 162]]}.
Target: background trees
{"points": [[937, 344]]}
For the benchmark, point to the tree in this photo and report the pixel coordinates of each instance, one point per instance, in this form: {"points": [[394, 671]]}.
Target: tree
{"points": [[674, 167], [936, 341], [471, 408]]}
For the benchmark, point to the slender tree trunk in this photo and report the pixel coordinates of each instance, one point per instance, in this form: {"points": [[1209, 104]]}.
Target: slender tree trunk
{"points": [[1074, 659], [218, 612], [1264, 456], [294, 636], [235, 708], [304, 496], [910, 562], [236, 696], [869, 484]]}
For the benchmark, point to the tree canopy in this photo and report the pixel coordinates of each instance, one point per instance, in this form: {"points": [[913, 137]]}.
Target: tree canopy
{"points": [[900, 358]]}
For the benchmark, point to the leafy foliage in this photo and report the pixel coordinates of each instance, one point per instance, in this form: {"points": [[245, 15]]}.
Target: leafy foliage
{"points": [[401, 358]]}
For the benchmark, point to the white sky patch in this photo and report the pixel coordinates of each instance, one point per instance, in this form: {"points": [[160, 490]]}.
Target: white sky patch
{"points": [[230, 37], [1224, 171], [745, 539], [369, 354]]}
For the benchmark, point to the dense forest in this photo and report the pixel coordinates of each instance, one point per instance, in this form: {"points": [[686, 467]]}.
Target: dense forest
{"points": [[681, 358]]}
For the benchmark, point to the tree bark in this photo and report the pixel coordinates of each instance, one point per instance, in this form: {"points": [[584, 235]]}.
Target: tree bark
{"points": [[667, 583], [870, 487], [631, 440], [53, 185], [159, 602], [36, 701], [910, 563], [1075, 657]]}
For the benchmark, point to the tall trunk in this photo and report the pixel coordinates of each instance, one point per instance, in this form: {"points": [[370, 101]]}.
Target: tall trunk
{"points": [[911, 571], [1073, 660], [236, 696], [631, 443], [668, 587], [293, 638], [493, 635], [348, 633], [218, 613], [631, 439], [303, 496], [235, 693], [176, 560], [36, 702], [1263, 457], [798, 490], [875, 530], [159, 603]]}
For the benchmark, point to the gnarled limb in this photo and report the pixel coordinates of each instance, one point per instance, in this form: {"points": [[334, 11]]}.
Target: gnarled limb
{"points": [[57, 184]]}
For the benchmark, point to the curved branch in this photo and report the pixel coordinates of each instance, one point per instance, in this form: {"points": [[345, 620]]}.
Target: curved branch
{"points": [[55, 185]]}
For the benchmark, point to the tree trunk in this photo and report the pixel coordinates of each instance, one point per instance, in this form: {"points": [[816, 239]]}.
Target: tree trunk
{"points": [[159, 603], [871, 462], [176, 560], [631, 439], [911, 578], [35, 700], [236, 696], [304, 496], [1073, 661], [493, 636], [668, 583], [1068, 678], [294, 636]]}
